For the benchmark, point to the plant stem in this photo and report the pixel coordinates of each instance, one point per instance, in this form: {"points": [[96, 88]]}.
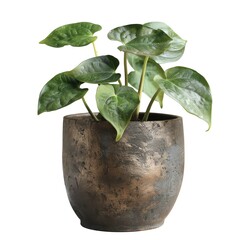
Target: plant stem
{"points": [[146, 115], [125, 69], [141, 84], [95, 50], [89, 110], [119, 82], [84, 101]]}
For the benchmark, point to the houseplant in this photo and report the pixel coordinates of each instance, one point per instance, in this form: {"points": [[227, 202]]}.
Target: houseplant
{"points": [[131, 182]]}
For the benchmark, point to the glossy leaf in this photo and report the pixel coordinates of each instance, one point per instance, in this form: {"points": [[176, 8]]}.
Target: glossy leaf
{"points": [[75, 34], [140, 40], [149, 45], [177, 45], [97, 70], [190, 89], [59, 92], [117, 105], [150, 85]]}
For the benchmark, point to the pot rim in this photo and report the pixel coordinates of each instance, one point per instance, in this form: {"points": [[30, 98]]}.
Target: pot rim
{"points": [[153, 117]]}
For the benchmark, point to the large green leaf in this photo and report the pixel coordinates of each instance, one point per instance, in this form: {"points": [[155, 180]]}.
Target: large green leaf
{"points": [[140, 40], [75, 34], [150, 85], [59, 92], [117, 105], [190, 89], [150, 45], [177, 45], [98, 70]]}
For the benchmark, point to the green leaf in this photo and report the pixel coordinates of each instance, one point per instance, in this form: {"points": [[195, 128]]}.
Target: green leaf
{"points": [[97, 70], [59, 92], [177, 45], [150, 45], [150, 85], [140, 40], [117, 105], [190, 89], [75, 34]]}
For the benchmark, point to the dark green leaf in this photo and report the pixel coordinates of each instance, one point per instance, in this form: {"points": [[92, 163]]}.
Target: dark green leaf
{"points": [[190, 89], [75, 34], [177, 45], [117, 105], [140, 40], [150, 85], [97, 70], [59, 92], [150, 45]]}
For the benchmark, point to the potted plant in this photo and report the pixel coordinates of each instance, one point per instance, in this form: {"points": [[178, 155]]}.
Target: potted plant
{"points": [[123, 168]]}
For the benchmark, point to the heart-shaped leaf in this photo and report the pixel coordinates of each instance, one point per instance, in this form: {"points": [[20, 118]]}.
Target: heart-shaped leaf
{"points": [[177, 45], [150, 85], [140, 40], [190, 89], [75, 34], [117, 105], [59, 92], [97, 70]]}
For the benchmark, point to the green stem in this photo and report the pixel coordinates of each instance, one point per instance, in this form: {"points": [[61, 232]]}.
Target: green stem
{"points": [[119, 82], [84, 101], [89, 110], [95, 50], [140, 88], [146, 115], [125, 69]]}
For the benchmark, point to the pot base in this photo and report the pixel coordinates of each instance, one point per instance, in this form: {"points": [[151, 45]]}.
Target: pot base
{"points": [[119, 228]]}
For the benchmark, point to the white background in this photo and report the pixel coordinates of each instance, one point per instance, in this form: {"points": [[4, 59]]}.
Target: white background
{"points": [[33, 201]]}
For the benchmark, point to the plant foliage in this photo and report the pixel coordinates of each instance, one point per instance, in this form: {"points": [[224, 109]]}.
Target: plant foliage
{"points": [[145, 47]]}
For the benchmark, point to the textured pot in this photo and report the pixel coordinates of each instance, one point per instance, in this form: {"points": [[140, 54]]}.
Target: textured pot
{"points": [[129, 185]]}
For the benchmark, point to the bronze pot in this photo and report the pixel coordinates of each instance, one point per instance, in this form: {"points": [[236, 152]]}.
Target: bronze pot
{"points": [[128, 185]]}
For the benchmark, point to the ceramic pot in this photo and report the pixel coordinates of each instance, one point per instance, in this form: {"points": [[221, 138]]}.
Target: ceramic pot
{"points": [[129, 185]]}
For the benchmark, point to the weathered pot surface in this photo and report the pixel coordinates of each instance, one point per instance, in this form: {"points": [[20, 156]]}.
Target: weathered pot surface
{"points": [[129, 185]]}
